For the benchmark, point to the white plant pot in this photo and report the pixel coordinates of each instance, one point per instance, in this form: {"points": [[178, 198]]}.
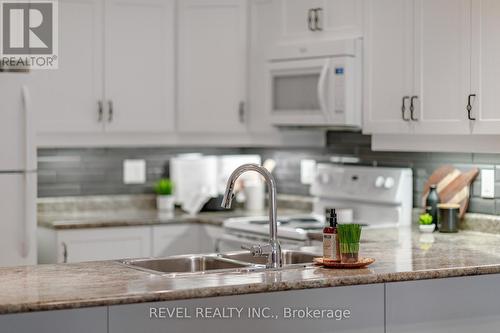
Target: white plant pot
{"points": [[427, 228], [165, 203]]}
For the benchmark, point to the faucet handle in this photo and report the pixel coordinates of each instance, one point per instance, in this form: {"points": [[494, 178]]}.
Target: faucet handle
{"points": [[259, 250]]}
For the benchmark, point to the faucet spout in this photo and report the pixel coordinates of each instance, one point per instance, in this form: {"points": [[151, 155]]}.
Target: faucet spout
{"points": [[274, 255]]}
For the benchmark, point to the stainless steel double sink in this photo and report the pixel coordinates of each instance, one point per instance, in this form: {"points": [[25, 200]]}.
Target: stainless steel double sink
{"points": [[240, 261]]}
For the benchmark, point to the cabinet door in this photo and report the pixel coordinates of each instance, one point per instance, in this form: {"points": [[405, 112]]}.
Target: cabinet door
{"points": [[66, 99], [459, 305], [342, 17], [295, 18], [175, 239], [364, 303], [104, 244], [90, 320], [336, 19], [212, 65], [139, 65], [485, 66], [442, 65], [388, 64], [209, 236]]}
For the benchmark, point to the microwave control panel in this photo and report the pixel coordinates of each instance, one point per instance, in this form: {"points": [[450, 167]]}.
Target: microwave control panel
{"points": [[339, 82]]}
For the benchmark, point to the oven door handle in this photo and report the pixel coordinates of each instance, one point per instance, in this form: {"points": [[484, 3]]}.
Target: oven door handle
{"points": [[322, 90]]}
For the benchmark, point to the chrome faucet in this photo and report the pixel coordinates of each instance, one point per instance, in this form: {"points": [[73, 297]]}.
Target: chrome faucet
{"points": [[273, 249]]}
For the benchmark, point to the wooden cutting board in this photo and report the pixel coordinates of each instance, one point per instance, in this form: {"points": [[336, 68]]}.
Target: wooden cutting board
{"points": [[453, 186]]}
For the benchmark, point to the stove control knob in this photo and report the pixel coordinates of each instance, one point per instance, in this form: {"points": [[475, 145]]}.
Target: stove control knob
{"points": [[379, 182], [389, 182]]}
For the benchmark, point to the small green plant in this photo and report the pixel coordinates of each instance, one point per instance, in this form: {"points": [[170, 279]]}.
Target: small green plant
{"points": [[425, 219], [349, 235], [164, 187]]}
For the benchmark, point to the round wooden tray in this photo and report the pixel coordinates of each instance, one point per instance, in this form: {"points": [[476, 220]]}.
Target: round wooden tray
{"points": [[362, 262]]}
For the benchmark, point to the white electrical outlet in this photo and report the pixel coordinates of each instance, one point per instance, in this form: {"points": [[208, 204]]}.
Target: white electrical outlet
{"points": [[307, 171], [134, 171], [488, 183]]}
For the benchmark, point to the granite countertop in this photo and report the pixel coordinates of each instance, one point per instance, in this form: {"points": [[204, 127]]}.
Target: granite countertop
{"points": [[106, 219], [139, 210], [401, 255], [132, 217]]}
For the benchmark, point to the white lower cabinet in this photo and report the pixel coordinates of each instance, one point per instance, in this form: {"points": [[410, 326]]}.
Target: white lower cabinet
{"points": [[209, 235], [184, 238], [175, 239], [89, 320], [458, 305], [61, 246], [104, 244], [365, 304]]}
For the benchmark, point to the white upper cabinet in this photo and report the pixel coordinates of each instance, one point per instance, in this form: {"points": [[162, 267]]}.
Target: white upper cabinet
{"points": [[139, 55], [212, 66], [388, 66], [417, 66], [67, 99], [442, 66], [306, 20], [485, 67], [116, 69]]}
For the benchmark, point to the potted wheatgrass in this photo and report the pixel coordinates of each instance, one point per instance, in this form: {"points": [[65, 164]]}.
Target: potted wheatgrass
{"points": [[349, 235]]}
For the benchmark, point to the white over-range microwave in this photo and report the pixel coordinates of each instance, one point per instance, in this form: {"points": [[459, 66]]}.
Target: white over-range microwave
{"points": [[316, 85]]}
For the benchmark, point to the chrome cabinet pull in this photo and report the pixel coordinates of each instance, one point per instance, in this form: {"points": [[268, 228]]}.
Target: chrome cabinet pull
{"points": [[317, 26], [469, 106], [241, 111], [412, 108], [110, 111], [65, 252], [403, 108], [100, 111], [310, 19]]}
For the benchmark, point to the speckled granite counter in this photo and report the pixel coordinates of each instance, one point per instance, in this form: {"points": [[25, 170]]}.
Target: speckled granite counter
{"points": [[401, 255], [137, 210], [103, 219]]}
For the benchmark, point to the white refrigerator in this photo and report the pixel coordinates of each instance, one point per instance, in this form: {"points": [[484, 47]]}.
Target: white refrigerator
{"points": [[18, 175]]}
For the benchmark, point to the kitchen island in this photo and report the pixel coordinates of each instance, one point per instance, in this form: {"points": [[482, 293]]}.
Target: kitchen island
{"points": [[451, 267]]}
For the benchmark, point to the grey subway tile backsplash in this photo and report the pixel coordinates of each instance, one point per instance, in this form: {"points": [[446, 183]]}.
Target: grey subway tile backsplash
{"points": [[484, 206], [95, 171]]}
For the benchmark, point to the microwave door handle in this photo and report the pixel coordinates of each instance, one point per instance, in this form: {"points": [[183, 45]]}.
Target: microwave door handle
{"points": [[322, 90]]}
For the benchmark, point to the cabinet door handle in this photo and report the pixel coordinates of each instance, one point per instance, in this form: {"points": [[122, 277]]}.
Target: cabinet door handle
{"points": [[310, 19], [403, 108], [100, 111], [110, 111], [412, 108], [241, 111], [317, 26], [65, 252], [469, 106]]}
